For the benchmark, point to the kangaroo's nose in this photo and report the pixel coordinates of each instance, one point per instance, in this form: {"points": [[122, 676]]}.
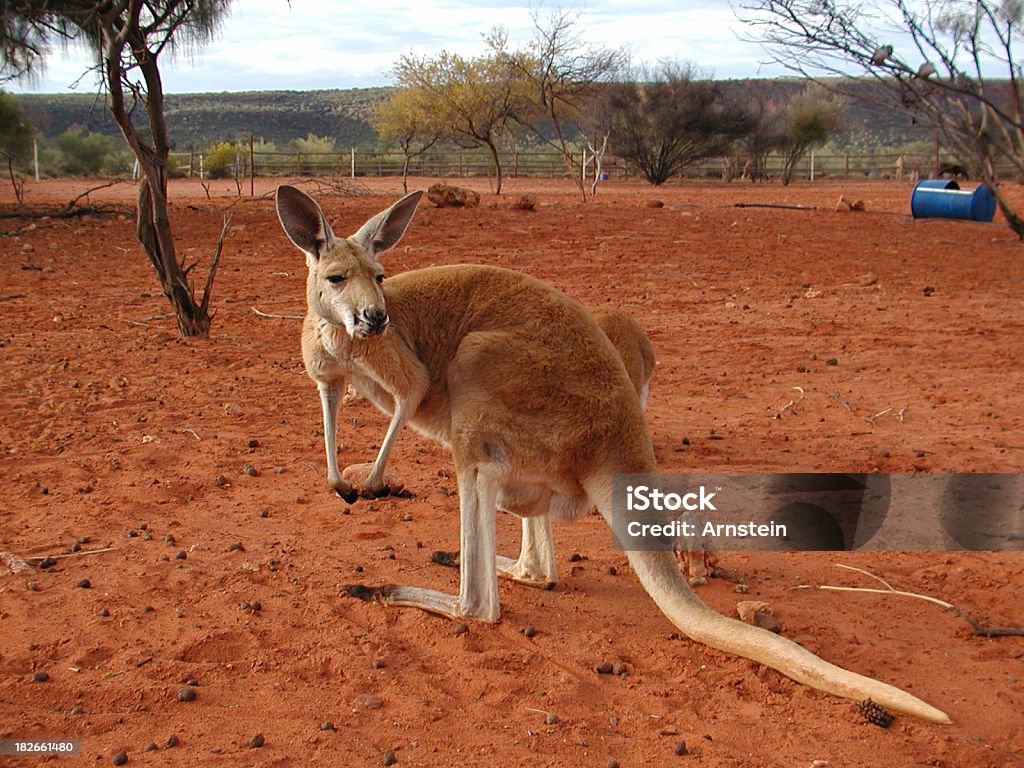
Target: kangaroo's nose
{"points": [[376, 319]]}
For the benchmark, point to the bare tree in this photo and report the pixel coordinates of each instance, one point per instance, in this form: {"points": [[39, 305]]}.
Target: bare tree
{"points": [[953, 64], [562, 76], [128, 37]]}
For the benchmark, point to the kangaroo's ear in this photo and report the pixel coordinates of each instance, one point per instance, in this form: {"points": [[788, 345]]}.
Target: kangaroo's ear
{"points": [[387, 227], [303, 221]]}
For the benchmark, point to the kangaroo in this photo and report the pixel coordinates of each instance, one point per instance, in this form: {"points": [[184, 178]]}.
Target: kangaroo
{"points": [[535, 404]]}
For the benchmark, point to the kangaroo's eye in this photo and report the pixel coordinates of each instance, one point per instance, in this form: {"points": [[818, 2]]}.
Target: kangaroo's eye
{"points": [[380, 278], [335, 279]]}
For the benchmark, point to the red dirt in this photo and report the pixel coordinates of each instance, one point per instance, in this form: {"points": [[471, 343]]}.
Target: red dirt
{"points": [[113, 425]]}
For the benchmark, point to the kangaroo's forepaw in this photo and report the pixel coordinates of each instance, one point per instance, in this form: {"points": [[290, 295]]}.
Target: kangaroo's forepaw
{"points": [[359, 477], [346, 491]]}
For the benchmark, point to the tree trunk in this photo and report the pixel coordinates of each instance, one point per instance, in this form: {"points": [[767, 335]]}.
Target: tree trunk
{"points": [[497, 167], [154, 225]]}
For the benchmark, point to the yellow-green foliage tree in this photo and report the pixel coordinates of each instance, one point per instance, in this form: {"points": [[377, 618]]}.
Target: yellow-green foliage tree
{"points": [[472, 100], [406, 121]]}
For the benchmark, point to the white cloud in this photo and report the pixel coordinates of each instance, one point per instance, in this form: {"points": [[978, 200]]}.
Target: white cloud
{"points": [[269, 44]]}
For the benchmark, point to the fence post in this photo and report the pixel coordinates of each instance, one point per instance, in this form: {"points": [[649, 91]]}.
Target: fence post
{"points": [[353, 162], [812, 165], [846, 165], [35, 156], [252, 166]]}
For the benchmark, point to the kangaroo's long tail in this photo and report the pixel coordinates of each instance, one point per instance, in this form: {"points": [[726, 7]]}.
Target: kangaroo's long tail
{"points": [[660, 576]]}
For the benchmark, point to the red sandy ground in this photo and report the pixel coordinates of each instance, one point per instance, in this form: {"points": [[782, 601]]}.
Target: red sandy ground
{"points": [[111, 424]]}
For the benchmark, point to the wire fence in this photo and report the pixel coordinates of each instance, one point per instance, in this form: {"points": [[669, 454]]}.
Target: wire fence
{"points": [[249, 162]]}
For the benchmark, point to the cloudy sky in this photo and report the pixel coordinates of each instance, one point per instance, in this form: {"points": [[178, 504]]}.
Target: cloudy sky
{"points": [[304, 45]]}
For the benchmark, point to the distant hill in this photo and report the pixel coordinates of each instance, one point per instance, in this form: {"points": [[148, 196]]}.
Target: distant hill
{"points": [[197, 120]]}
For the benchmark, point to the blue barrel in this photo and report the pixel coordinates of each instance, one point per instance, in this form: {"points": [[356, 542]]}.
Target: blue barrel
{"points": [[943, 199]]}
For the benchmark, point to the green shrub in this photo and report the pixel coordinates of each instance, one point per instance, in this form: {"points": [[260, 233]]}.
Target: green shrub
{"points": [[220, 162]]}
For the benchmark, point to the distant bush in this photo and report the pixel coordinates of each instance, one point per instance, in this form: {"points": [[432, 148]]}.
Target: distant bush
{"points": [[312, 151], [221, 161], [83, 153]]}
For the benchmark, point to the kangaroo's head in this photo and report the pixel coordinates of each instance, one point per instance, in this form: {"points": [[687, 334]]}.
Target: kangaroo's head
{"points": [[344, 282]]}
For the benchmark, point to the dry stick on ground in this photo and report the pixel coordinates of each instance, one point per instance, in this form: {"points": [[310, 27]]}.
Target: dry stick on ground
{"points": [[871, 419], [890, 590], [790, 404], [12, 296], [838, 399], [276, 317], [72, 554]]}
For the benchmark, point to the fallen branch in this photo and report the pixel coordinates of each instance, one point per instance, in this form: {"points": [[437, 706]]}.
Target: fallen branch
{"points": [[979, 629], [12, 296], [777, 205], [71, 203], [258, 313]]}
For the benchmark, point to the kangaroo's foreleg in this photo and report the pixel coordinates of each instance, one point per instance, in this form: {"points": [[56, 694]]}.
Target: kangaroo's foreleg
{"points": [[330, 395]]}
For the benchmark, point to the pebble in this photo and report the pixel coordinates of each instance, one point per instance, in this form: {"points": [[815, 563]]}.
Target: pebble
{"points": [[250, 470], [120, 758], [132, 533], [151, 747], [48, 562], [254, 443], [377, 664], [575, 557], [33, 586], [84, 584], [40, 677], [257, 606], [236, 547], [370, 701], [604, 668], [619, 668], [613, 763], [172, 741], [390, 759], [181, 554], [256, 741], [460, 629], [407, 517], [169, 538], [529, 631], [327, 725], [831, 361], [192, 682], [551, 719], [264, 513], [741, 589], [221, 480], [680, 748], [186, 694], [613, 571]]}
